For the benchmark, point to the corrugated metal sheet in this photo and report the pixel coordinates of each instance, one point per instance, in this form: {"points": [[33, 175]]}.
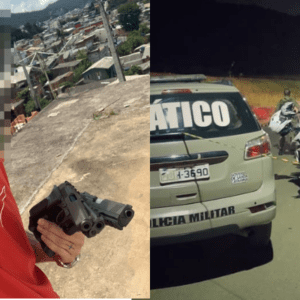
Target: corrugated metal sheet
{"points": [[68, 64], [139, 47], [130, 57], [104, 63], [60, 77]]}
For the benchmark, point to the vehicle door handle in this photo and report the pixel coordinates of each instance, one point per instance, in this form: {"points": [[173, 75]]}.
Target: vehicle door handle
{"points": [[186, 196]]}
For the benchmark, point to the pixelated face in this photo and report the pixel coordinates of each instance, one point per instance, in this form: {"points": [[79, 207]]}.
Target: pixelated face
{"points": [[5, 87]]}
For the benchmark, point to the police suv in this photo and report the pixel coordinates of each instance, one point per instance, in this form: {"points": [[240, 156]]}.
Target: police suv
{"points": [[211, 168]]}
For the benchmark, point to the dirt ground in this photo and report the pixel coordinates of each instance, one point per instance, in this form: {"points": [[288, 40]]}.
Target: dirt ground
{"points": [[109, 160]]}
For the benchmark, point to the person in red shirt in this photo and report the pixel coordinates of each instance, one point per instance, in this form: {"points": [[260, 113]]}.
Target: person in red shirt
{"points": [[20, 251]]}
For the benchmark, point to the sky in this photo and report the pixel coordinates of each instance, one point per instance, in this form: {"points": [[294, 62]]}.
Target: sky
{"points": [[18, 6], [291, 7]]}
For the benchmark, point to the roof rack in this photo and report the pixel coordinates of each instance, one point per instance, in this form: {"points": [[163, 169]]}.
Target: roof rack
{"points": [[224, 82], [178, 78]]}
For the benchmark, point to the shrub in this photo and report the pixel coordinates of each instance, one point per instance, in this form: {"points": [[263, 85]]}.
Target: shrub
{"points": [[144, 29], [133, 70], [84, 65], [44, 102], [29, 107], [24, 94]]}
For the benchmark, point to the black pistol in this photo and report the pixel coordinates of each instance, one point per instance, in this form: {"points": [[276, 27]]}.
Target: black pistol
{"points": [[74, 211]]}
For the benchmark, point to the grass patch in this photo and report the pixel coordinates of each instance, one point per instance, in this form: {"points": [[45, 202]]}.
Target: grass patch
{"points": [[264, 92], [101, 115]]}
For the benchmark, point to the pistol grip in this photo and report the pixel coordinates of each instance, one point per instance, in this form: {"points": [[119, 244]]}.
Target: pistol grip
{"points": [[48, 251], [45, 248]]}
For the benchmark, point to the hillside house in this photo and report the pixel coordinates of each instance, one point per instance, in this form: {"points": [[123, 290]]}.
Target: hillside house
{"points": [[55, 25], [85, 42], [88, 29], [65, 67], [55, 47], [37, 36], [19, 77], [102, 35], [53, 61], [55, 83], [77, 25], [31, 50], [15, 57], [37, 42], [102, 69], [145, 67], [74, 52], [131, 60], [69, 30], [98, 53], [50, 36], [67, 56]]}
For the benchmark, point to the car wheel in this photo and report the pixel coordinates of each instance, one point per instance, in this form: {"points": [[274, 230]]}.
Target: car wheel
{"points": [[259, 236]]}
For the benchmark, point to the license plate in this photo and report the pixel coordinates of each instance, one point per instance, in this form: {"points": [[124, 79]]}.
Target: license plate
{"points": [[184, 174]]}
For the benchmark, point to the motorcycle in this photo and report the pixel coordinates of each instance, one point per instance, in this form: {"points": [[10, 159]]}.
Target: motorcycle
{"points": [[281, 123]]}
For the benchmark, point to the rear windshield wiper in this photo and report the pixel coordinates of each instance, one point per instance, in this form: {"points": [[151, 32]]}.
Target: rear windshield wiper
{"points": [[168, 136], [172, 136]]}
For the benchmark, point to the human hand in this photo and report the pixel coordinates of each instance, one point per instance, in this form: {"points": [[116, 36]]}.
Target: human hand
{"points": [[66, 247]]}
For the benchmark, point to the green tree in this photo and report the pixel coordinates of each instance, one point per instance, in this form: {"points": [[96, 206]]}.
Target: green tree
{"points": [[129, 16], [124, 49], [24, 94], [44, 102], [43, 78], [28, 27], [36, 29], [17, 34], [113, 4], [84, 65], [81, 54], [92, 7], [134, 40], [144, 29]]}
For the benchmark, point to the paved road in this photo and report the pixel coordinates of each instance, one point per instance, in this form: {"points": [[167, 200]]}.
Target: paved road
{"points": [[226, 269]]}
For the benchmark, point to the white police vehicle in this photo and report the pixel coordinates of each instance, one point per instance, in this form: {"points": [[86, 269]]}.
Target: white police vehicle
{"points": [[211, 169]]}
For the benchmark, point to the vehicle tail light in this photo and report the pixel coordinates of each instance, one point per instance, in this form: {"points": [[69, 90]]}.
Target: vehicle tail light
{"points": [[257, 208], [177, 91], [258, 147]]}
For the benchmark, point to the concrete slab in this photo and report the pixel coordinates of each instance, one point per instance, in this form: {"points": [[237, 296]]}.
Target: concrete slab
{"points": [[108, 158]]}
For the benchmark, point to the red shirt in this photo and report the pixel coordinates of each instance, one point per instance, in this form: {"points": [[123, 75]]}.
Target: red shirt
{"points": [[19, 276]]}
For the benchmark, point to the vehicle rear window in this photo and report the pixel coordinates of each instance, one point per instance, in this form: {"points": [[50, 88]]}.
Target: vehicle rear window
{"points": [[207, 115]]}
